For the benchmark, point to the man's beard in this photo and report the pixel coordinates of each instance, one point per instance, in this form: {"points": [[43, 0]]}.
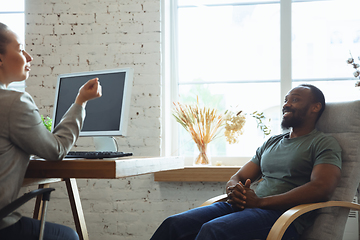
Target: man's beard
{"points": [[292, 122], [296, 120]]}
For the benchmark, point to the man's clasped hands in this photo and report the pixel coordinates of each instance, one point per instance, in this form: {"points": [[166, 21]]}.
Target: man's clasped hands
{"points": [[241, 196]]}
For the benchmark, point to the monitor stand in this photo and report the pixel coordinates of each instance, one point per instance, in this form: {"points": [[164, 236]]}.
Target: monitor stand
{"points": [[105, 144]]}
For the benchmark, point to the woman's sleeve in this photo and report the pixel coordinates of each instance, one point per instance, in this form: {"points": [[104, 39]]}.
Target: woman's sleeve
{"points": [[28, 132]]}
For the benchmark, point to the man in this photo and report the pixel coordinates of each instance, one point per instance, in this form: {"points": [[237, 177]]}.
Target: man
{"points": [[301, 166]]}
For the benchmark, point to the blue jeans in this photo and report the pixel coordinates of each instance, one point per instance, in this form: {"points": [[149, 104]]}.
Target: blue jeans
{"points": [[29, 229], [219, 221]]}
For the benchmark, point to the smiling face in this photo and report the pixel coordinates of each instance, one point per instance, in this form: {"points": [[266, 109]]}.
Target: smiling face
{"points": [[297, 107], [15, 61]]}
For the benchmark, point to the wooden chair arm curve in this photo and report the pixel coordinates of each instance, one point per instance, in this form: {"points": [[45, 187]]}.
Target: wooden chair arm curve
{"points": [[278, 229], [220, 198]]}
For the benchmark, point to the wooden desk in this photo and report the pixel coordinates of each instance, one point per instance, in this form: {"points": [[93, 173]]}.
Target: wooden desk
{"points": [[45, 172]]}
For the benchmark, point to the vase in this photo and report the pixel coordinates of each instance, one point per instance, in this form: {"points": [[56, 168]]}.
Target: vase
{"points": [[202, 156]]}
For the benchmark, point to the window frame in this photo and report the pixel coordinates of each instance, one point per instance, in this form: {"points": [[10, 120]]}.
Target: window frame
{"points": [[170, 81]]}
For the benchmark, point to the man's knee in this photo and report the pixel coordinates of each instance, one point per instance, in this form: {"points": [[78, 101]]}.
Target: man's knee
{"points": [[173, 220], [210, 231]]}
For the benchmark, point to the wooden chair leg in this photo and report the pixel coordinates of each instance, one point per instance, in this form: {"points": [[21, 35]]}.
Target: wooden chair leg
{"points": [[76, 208], [39, 203]]}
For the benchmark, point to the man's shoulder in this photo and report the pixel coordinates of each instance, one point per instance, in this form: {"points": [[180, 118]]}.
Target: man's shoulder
{"points": [[315, 137], [325, 139], [319, 135]]}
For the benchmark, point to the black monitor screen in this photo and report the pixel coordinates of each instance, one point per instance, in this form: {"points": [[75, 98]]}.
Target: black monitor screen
{"points": [[104, 114]]}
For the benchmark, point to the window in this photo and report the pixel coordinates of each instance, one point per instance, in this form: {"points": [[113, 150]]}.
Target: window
{"points": [[248, 54], [321, 44], [12, 14]]}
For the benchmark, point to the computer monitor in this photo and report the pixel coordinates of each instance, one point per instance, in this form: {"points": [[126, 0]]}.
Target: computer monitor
{"points": [[105, 116]]}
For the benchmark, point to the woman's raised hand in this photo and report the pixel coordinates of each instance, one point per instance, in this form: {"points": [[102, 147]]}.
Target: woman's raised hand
{"points": [[90, 90]]}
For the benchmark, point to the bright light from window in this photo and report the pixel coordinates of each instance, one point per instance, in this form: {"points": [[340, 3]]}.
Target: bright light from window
{"points": [[323, 39], [12, 14], [12, 6], [240, 44], [229, 55]]}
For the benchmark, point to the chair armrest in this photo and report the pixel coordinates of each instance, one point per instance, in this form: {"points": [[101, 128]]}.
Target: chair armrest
{"points": [[278, 229], [23, 199], [220, 198]]}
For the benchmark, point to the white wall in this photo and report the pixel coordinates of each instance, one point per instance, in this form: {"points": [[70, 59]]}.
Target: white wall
{"points": [[75, 36], [81, 35]]}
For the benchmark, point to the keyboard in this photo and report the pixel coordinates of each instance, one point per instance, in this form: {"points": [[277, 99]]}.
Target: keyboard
{"points": [[97, 154]]}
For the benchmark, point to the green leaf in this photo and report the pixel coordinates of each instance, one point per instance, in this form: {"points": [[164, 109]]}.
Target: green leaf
{"points": [[47, 122]]}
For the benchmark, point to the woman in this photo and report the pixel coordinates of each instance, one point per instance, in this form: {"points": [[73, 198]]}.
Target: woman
{"points": [[22, 134]]}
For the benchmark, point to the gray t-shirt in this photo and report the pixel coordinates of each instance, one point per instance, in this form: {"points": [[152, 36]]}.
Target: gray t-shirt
{"points": [[287, 163]]}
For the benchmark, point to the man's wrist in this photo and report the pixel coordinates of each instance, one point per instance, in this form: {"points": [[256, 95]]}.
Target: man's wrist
{"points": [[262, 202]]}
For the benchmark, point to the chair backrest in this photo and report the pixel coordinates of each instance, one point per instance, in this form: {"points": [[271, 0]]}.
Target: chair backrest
{"points": [[341, 120]]}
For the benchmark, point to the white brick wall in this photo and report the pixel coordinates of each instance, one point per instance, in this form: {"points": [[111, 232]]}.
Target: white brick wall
{"points": [[72, 36]]}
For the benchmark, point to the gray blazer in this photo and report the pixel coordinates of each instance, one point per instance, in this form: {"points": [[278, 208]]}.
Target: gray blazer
{"points": [[22, 134]]}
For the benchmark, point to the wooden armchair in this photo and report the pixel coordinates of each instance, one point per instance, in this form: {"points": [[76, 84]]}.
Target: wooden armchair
{"points": [[341, 120]]}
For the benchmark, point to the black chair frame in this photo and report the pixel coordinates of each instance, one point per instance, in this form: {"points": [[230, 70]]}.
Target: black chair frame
{"points": [[24, 199]]}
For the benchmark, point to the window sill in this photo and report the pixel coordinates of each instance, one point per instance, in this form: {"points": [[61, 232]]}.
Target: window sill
{"points": [[197, 174], [190, 173]]}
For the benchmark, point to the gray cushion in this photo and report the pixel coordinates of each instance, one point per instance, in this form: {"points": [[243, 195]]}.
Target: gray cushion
{"points": [[341, 120]]}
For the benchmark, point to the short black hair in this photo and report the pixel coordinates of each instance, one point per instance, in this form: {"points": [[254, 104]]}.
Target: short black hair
{"points": [[318, 96]]}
